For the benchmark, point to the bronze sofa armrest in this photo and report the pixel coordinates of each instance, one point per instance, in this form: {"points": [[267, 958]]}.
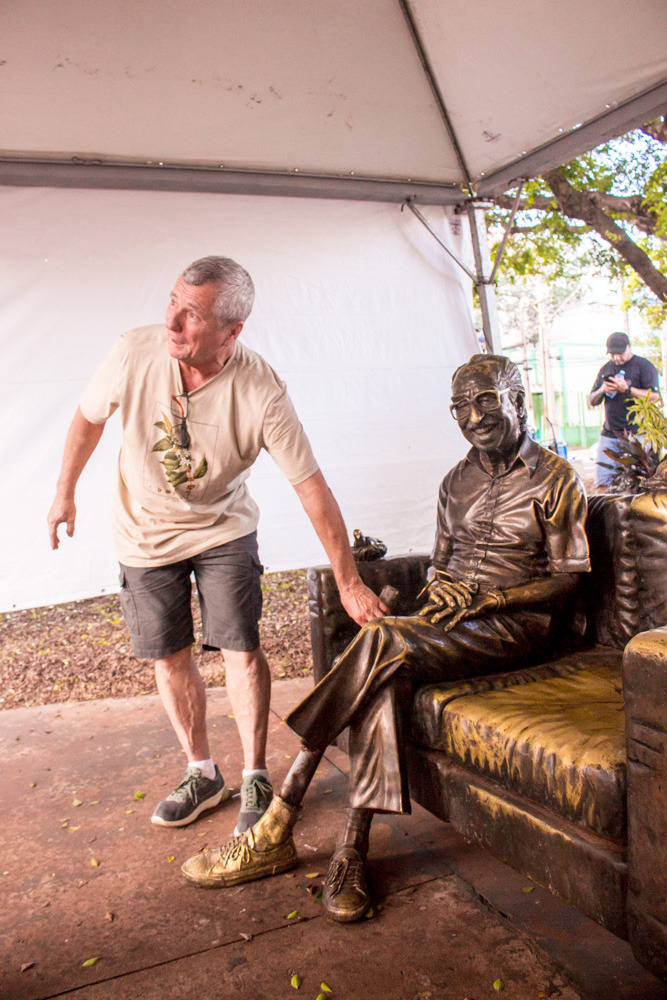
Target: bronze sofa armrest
{"points": [[330, 627], [645, 694]]}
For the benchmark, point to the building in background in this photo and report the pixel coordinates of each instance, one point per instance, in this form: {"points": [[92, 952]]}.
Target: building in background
{"points": [[559, 346]]}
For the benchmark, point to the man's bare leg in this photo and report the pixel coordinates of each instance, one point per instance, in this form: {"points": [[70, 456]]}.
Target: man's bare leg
{"points": [[249, 688], [184, 698]]}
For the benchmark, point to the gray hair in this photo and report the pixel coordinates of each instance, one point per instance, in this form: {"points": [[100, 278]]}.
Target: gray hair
{"points": [[236, 292], [506, 374]]}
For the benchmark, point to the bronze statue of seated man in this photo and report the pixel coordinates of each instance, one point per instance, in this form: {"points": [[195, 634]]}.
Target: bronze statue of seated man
{"points": [[510, 542]]}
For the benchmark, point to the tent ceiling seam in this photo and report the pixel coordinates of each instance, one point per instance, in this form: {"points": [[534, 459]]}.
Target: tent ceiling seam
{"points": [[435, 89]]}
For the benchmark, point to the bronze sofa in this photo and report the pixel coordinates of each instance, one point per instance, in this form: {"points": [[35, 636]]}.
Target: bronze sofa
{"points": [[559, 769]]}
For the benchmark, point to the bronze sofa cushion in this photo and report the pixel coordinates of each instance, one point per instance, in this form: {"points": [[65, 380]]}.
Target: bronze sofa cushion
{"points": [[649, 527], [555, 734], [611, 590]]}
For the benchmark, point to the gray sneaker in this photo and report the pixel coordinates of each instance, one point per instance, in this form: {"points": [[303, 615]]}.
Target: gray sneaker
{"points": [[194, 794], [256, 794]]}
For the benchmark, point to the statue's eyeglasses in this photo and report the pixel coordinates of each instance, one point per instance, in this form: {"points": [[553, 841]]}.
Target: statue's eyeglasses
{"points": [[179, 428], [485, 401]]}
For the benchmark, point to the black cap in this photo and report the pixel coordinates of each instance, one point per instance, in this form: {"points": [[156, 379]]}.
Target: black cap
{"points": [[617, 343]]}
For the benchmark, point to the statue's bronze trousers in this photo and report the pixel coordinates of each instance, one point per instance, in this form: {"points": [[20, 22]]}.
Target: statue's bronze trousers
{"points": [[370, 689]]}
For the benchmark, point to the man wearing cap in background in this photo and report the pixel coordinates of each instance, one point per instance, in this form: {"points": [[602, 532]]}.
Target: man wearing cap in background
{"points": [[624, 378]]}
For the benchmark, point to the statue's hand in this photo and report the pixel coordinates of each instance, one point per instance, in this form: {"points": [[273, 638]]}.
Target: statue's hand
{"points": [[483, 604], [446, 596], [361, 604]]}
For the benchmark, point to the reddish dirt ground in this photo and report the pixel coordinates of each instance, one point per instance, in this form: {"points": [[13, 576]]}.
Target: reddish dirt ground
{"points": [[81, 651]]}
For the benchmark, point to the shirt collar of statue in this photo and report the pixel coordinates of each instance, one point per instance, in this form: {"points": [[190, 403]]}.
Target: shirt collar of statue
{"points": [[528, 454]]}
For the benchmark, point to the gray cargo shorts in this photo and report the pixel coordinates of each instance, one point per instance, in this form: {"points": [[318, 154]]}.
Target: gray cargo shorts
{"points": [[156, 601]]}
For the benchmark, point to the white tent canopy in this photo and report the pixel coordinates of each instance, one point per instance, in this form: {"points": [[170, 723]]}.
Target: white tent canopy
{"points": [[138, 135], [282, 96]]}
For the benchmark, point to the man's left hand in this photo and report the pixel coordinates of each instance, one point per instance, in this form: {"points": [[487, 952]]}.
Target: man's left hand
{"points": [[361, 604], [619, 383]]}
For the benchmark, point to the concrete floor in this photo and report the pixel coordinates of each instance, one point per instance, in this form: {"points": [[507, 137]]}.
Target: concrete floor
{"points": [[86, 876]]}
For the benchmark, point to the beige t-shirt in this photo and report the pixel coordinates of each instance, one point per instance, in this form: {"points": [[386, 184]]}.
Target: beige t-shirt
{"points": [[173, 502]]}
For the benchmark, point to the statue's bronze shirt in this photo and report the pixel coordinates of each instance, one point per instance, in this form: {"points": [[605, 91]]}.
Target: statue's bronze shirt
{"points": [[503, 531]]}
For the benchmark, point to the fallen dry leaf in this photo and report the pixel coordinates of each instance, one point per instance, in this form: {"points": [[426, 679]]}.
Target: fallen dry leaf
{"points": [[109, 916], [26, 966]]}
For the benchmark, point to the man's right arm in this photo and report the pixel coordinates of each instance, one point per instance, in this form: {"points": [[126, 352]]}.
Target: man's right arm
{"points": [[82, 439], [596, 394]]}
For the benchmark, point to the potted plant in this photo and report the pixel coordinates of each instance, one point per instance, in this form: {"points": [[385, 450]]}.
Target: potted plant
{"points": [[642, 452]]}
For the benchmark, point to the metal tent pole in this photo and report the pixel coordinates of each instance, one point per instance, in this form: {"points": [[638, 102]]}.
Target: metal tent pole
{"points": [[484, 281]]}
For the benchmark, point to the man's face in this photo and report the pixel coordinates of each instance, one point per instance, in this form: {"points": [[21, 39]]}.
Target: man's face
{"points": [[620, 358], [195, 338], [487, 429]]}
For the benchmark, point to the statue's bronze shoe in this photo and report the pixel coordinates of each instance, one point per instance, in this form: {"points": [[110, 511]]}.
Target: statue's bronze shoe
{"points": [[267, 848], [345, 896]]}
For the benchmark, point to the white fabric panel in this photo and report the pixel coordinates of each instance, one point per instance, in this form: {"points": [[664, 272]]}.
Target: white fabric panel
{"points": [[515, 75], [332, 86], [357, 308]]}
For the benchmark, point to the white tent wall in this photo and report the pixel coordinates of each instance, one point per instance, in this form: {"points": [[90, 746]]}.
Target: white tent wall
{"points": [[358, 309]]}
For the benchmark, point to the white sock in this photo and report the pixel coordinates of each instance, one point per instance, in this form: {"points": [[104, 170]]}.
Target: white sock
{"points": [[257, 772], [207, 767]]}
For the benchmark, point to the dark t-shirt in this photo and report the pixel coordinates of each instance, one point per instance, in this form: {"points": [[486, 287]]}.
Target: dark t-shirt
{"points": [[640, 373]]}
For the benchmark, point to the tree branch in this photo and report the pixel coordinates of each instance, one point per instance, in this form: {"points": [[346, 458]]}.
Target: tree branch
{"points": [[657, 129], [631, 207], [580, 205], [540, 227], [540, 203]]}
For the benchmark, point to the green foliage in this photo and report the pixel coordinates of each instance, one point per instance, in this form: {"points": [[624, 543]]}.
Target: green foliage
{"points": [[545, 242], [651, 424], [643, 452]]}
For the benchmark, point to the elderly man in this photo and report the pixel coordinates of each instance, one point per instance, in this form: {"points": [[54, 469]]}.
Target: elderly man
{"points": [[510, 542], [197, 407]]}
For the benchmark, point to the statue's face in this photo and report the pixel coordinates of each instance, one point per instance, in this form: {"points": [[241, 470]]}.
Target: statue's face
{"points": [[486, 414]]}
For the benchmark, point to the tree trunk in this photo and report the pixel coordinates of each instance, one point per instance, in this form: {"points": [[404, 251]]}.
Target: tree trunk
{"points": [[577, 205]]}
